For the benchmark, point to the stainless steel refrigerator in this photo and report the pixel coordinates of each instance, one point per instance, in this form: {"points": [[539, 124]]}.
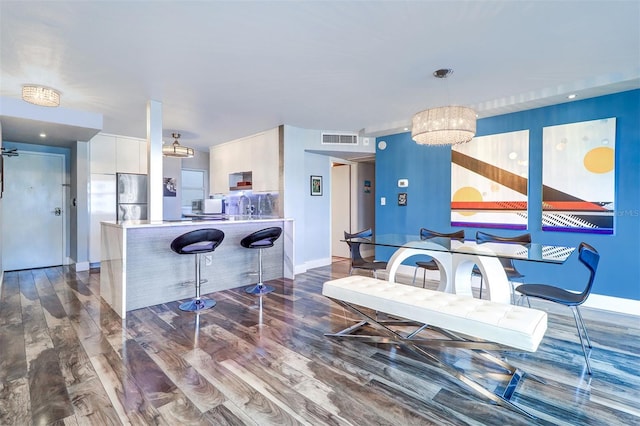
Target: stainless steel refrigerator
{"points": [[132, 196]]}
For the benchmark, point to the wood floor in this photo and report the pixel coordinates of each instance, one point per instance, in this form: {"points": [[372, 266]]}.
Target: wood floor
{"points": [[66, 358]]}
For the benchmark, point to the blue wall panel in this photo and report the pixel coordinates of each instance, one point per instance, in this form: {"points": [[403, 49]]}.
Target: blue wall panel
{"points": [[429, 193]]}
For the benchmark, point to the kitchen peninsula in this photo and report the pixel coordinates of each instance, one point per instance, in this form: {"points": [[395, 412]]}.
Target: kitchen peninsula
{"points": [[139, 269]]}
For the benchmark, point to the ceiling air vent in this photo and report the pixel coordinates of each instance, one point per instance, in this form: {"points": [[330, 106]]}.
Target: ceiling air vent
{"points": [[339, 139]]}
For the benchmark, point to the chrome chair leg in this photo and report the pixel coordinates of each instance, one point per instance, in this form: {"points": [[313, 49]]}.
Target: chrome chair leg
{"points": [[584, 327], [578, 318]]}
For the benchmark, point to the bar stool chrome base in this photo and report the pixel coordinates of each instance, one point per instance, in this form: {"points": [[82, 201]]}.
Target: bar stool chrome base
{"points": [[198, 242], [197, 305], [259, 289], [260, 240]]}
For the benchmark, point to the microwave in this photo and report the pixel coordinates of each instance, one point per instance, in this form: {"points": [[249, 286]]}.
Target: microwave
{"points": [[196, 206], [213, 206]]}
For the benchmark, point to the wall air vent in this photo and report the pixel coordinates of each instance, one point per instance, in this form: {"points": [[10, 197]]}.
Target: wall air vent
{"points": [[339, 139]]}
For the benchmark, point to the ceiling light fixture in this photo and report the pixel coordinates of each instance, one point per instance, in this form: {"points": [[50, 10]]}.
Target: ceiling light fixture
{"points": [[447, 125], [175, 149], [40, 95]]}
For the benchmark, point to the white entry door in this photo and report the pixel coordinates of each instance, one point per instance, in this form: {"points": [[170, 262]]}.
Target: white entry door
{"points": [[33, 220]]}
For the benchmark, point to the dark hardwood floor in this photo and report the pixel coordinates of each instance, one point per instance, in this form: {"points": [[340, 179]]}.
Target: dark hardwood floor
{"points": [[66, 358]]}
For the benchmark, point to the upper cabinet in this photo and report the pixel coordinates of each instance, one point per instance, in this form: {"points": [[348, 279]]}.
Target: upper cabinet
{"points": [[102, 154], [144, 156], [265, 154], [110, 154], [128, 155], [258, 154]]}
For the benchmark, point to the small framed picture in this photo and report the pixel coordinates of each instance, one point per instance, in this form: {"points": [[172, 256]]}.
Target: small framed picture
{"points": [[402, 199], [316, 185], [169, 187]]}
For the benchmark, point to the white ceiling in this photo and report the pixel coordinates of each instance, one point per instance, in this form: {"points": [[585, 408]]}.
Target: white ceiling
{"points": [[227, 69]]}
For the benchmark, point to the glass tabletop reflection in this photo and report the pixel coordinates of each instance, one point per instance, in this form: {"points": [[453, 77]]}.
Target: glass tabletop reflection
{"points": [[533, 252]]}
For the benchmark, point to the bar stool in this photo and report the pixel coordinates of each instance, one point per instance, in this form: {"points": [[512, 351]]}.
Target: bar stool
{"points": [[261, 239], [197, 242]]}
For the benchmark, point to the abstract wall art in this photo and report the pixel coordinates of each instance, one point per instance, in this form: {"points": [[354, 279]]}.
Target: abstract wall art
{"points": [[489, 181], [578, 177]]}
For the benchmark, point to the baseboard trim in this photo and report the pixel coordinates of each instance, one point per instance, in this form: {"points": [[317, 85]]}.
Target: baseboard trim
{"points": [[82, 266], [316, 263], [613, 304]]}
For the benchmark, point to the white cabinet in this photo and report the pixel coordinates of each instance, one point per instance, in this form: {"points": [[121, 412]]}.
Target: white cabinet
{"points": [[266, 165], [259, 154], [144, 156], [108, 155], [128, 155], [117, 154], [102, 207], [102, 154], [218, 170]]}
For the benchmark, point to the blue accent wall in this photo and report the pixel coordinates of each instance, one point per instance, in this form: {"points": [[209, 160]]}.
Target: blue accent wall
{"points": [[429, 193]]}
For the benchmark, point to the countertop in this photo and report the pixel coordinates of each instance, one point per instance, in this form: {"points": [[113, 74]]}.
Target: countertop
{"points": [[196, 221]]}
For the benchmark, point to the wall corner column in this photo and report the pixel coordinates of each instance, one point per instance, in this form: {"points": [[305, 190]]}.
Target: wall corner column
{"points": [[154, 160]]}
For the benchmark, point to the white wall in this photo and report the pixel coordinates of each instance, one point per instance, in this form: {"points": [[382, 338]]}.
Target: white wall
{"points": [[1, 270], [171, 206], [317, 211], [79, 250], [172, 167], [295, 190], [362, 203]]}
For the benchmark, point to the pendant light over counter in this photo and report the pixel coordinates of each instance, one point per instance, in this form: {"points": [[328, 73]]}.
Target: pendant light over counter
{"points": [[176, 150]]}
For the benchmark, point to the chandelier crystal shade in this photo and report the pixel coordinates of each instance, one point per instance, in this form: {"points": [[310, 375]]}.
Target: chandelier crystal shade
{"points": [[176, 150], [39, 95], [449, 125]]}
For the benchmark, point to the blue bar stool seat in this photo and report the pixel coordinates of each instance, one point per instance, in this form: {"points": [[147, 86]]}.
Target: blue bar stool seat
{"points": [[260, 240], [197, 242]]}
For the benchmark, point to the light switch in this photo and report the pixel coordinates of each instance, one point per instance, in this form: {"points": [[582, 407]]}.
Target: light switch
{"points": [[383, 201]]}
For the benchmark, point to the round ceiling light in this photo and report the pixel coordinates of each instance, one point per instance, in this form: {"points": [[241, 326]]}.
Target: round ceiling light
{"points": [[40, 95]]}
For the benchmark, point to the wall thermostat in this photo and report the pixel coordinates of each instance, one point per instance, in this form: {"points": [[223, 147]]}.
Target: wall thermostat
{"points": [[403, 183]]}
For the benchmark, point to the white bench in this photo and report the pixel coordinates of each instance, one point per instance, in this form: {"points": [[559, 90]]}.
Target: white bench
{"points": [[465, 322]]}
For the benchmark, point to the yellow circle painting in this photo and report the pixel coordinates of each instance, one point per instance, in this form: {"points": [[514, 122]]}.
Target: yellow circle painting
{"points": [[599, 160], [468, 194]]}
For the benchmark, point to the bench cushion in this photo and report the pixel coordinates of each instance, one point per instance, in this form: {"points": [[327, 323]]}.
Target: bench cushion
{"points": [[515, 326]]}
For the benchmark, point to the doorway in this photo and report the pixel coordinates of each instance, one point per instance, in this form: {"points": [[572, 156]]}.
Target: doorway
{"points": [[352, 203], [340, 208], [33, 211]]}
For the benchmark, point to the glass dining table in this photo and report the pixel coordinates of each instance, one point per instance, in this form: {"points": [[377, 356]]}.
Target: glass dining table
{"points": [[456, 259]]}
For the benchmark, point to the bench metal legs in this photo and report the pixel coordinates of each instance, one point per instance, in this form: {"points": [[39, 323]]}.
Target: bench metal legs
{"points": [[420, 347]]}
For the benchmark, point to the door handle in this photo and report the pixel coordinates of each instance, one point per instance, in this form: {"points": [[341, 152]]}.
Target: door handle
{"points": [[57, 211]]}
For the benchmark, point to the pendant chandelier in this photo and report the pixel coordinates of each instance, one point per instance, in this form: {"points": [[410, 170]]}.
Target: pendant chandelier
{"points": [[448, 125], [175, 149]]}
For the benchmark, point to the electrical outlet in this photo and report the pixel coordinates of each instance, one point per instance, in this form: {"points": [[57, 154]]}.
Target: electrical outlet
{"points": [[383, 201], [208, 259]]}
